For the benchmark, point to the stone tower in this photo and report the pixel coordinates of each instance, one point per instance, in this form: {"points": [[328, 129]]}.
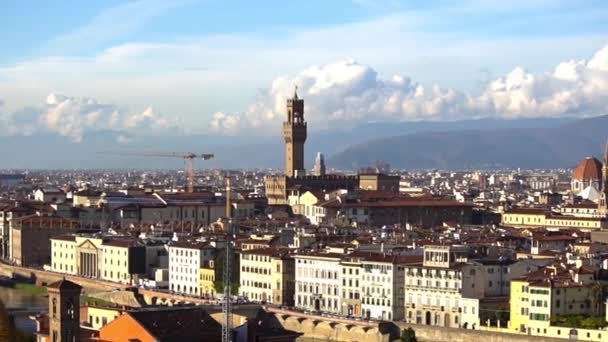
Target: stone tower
{"points": [[319, 167], [294, 131], [603, 202], [64, 311]]}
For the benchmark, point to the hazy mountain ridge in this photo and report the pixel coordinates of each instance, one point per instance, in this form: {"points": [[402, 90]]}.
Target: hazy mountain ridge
{"points": [[562, 145], [47, 150]]}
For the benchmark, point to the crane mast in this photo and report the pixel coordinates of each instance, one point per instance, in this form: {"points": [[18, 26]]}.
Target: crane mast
{"points": [[227, 278]]}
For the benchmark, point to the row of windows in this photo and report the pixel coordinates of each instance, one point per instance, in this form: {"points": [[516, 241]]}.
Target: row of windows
{"points": [[105, 260], [191, 279], [119, 275], [183, 270], [324, 304], [208, 277], [186, 252], [316, 273], [350, 271], [350, 282], [259, 284], [440, 285], [318, 289], [254, 257], [539, 317], [539, 303], [194, 290], [377, 290], [258, 270], [376, 301]]}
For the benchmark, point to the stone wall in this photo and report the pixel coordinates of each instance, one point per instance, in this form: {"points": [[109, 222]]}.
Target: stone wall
{"points": [[50, 277], [334, 329], [425, 333]]}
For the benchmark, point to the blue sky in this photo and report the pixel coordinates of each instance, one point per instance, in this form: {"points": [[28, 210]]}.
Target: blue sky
{"points": [[186, 63]]}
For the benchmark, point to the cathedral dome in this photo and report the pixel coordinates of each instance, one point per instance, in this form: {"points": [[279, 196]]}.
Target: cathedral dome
{"points": [[588, 169]]}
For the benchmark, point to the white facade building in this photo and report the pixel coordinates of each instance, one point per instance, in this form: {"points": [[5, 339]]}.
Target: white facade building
{"points": [[318, 282], [382, 284], [185, 260]]}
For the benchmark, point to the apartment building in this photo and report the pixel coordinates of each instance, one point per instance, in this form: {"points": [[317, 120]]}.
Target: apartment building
{"points": [[207, 279], [555, 290], [352, 296], [383, 285], [30, 238], [267, 275], [318, 282], [186, 258], [123, 260], [448, 289]]}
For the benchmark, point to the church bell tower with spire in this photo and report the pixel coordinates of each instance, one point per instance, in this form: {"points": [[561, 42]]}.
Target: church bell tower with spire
{"points": [[603, 202], [294, 132]]}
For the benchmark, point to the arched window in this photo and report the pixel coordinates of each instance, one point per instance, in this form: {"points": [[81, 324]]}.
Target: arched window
{"points": [[69, 309], [54, 307]]}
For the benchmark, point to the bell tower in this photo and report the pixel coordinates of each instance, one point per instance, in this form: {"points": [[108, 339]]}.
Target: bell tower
{"points": [[294, 132], [603, 202], [64, 311]]}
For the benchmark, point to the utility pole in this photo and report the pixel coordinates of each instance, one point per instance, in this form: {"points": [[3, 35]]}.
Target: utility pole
{"points": [[227, 276]]}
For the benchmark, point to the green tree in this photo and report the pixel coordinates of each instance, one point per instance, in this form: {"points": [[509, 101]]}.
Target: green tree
{"points": [[408, 335], [597, 296]]}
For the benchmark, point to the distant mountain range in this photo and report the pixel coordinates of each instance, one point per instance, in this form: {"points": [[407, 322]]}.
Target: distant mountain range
{"points": [[543, 146], [528, 143]]}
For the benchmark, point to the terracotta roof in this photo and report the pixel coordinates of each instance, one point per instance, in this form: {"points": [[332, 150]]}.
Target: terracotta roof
{"points": [[393, 259], [588, 169], [123, 242], [50, 220], [178, 324], [401, 202], [554, 238], [67, 237], [191, 244], [271, 252], [529, 211]]}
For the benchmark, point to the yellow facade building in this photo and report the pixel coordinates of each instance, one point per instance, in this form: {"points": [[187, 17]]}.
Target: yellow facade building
{"points": [[122, 260], [207, 280], [553, 291], [267, 275], [95, 317], [535, 217], [113, 258]]}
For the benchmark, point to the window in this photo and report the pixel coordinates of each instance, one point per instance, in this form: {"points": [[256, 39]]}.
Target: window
{"points": [[54, 307]]}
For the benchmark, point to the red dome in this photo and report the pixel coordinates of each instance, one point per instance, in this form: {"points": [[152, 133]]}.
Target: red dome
{"points": [[588, 169]]}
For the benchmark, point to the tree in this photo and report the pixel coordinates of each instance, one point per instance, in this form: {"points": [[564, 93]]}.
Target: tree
{"points": [[408, 335], [218, 265], [597, 296]]}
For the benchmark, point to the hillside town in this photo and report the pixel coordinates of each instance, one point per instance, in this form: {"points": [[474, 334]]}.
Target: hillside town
{"points": [[516, 253]]}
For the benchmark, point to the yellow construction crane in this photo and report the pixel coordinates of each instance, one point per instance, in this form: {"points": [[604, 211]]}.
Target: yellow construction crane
{"points": [[188, 157]]}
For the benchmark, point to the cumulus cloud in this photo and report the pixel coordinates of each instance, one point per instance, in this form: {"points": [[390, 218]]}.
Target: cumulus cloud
{"points": [[74, 117], [349, 92], [573, 88]]}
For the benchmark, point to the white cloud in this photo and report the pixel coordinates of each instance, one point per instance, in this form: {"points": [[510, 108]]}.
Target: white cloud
{"points": [[347, 92], [75, 117], [573, 88]]}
